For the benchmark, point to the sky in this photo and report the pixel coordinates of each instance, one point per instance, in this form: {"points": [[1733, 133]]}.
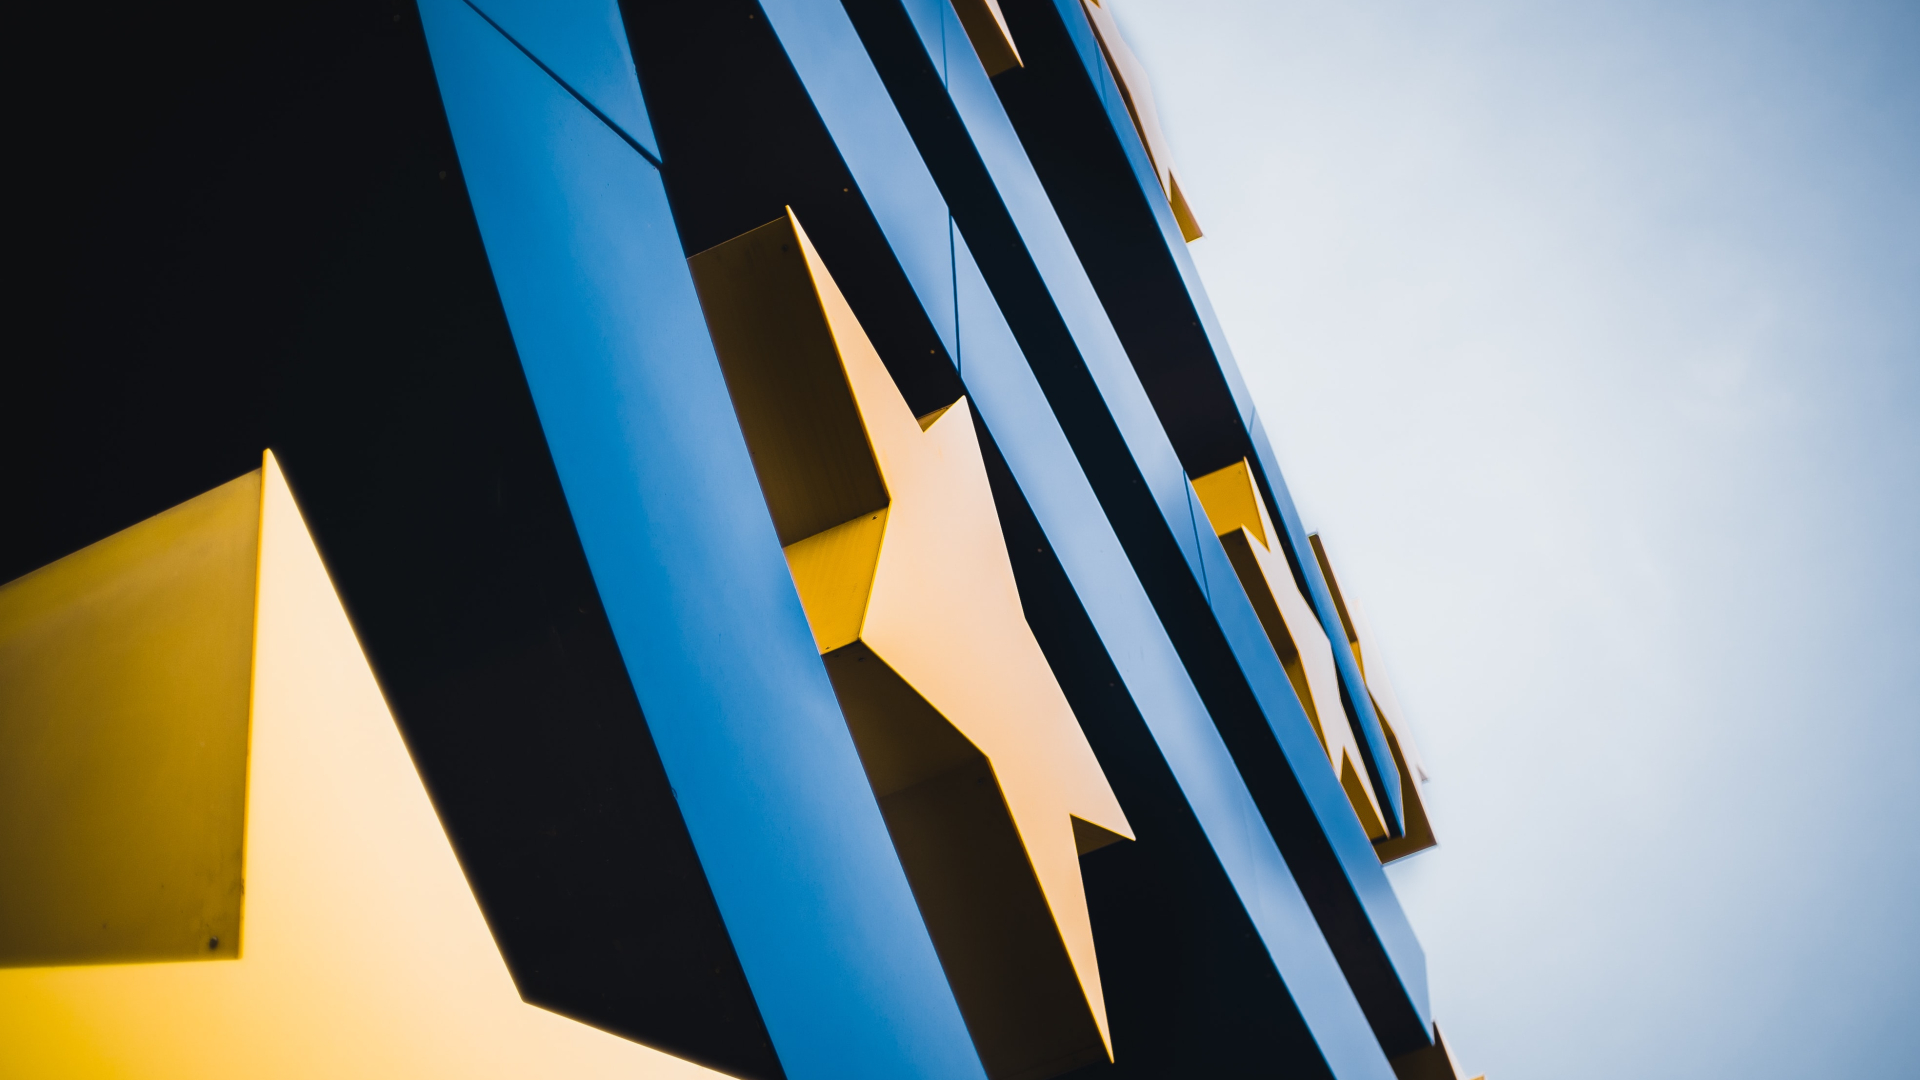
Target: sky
{"points": [[1588, 335]]}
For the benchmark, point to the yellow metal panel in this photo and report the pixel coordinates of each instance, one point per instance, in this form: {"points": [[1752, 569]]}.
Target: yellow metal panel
{"points": [[124, 673], [366, 955], [833, 571], [986, 782], [1233, 502], [1238, 514], [1360, 796], [987, 28]]}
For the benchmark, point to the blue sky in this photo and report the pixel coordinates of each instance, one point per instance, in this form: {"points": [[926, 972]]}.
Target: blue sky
{"points": [[1589, 336]]}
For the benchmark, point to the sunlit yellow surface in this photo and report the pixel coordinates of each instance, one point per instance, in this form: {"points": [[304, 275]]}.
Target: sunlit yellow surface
{"points": [[987, 29], [365, 953], [124, 675], [1239, 517], [986, 781]]}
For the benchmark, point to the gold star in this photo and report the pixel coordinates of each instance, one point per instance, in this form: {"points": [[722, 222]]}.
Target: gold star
{"points": [[987, 784]]}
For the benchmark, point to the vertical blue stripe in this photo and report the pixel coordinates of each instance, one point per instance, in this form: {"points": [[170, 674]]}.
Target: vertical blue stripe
{"points": [[584, 44], [596, 289]]}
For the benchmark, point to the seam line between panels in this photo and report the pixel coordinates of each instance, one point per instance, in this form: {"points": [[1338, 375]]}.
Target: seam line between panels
{"points": [[568, 87]]}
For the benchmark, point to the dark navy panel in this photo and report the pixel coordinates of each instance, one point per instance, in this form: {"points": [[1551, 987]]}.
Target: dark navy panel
{"points": [[656, 473], [345, 316], [582, 43], [1075, 126], [1237, 673], [907, 205]]}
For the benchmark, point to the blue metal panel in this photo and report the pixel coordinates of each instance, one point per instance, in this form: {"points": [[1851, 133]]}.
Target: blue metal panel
{"points": [[905, 202], [1009, 400], [583, 44], [590, 271], [1074, 17]]}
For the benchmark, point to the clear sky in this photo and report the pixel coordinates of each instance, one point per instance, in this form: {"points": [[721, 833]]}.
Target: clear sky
{"points": [[1589, 336]]}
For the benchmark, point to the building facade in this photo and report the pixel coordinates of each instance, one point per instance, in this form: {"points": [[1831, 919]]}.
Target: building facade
{"points": [[603, 538]]}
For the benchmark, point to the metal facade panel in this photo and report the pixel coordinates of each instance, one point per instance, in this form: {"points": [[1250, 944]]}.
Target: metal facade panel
{"points": [[125, 672], [365, 953], [1306, 759], [969, 144], [1191, 294], [1322, 598], [974, 153], [1018, 190], [993, 185], [1003, 388], [582, 43], [1248, 926], [603, 311], [872, 151]]}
